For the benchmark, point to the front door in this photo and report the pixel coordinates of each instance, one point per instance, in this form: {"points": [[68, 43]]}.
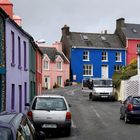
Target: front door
{"points": [[104, 71], [47, 82]]}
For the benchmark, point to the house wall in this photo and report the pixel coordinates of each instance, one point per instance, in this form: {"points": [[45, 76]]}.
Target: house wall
{"points": [[53, 73], [2, 64], [95, 58], [131, 50], [32, 66], [38, 73], [15, 75]]}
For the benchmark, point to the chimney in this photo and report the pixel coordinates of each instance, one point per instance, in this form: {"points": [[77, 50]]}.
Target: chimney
{"points": [[65, 30], [58, 46], [7, 6], [105, 32], [120, 22], [17, 19]]}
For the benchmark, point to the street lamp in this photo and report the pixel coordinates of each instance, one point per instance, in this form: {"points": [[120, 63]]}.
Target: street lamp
{"points": [[138, 60]]}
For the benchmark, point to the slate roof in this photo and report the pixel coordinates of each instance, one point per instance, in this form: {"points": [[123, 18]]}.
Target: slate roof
{"points": [[95, 40], [131, 30], [53, 53]]}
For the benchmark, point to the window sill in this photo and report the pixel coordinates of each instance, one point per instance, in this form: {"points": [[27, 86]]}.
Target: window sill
{"points": [[86, 60], [118, 61], [20, 67], [25, 69], [87, 75], [104, 60], [13, 64]]}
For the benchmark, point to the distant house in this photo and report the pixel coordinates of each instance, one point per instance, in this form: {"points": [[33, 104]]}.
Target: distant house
{"points": [[32, 69], [129, 34], [92, 55], [39, 56], [55, 66]]}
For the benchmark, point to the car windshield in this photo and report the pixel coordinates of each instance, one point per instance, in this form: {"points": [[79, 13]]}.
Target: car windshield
{"points": [[5, 134], [48, 103], [136, 100], [101, 83]]}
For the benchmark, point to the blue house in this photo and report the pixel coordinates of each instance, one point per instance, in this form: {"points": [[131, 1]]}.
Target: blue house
{"points": [[92, 55]]}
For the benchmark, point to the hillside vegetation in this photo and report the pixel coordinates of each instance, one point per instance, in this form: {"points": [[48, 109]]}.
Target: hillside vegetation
{"points": [[125, 73]]}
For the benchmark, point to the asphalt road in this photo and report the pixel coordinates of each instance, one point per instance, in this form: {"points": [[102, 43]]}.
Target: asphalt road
{"points": [[94, 120]]}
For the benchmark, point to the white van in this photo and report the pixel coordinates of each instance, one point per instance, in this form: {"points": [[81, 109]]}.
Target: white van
{"points": [[102, 88]]}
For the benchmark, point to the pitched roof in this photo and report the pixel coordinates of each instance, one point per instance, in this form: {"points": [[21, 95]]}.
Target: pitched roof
{"points": [[131, 30], [95, 40], [52, 53]]}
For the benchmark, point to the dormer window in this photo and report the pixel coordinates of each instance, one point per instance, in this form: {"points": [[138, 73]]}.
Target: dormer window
{"points": [[134, 30], [103, 38], [59, 65], [85, 37], [46, 65]]}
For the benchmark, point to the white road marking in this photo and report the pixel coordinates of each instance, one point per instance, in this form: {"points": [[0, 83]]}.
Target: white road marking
{"points": [[99, 116], [72, 124]]}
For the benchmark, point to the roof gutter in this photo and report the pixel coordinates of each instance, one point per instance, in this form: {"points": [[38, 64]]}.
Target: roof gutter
{"points": [[101, 48]]}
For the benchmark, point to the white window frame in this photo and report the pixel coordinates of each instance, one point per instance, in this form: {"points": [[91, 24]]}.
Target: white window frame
{"points": [[86, 56], [104, 56], [46, 65], [117, 67], [59, 65], [59, 81], [118, 57], [87, 70]]}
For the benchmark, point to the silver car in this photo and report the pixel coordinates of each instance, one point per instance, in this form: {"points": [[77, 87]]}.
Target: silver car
{"points": [[50, 112]]}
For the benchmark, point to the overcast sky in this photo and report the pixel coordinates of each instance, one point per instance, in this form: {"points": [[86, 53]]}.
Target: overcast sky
{"points": [[43, 19]]}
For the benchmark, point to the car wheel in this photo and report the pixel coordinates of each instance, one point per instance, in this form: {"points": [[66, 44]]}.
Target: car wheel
{"points": [[68, 131], [121, 117], [126, 119]]}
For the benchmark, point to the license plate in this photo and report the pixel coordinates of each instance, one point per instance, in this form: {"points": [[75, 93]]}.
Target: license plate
{"points": [[104, 96], [49, 126]]}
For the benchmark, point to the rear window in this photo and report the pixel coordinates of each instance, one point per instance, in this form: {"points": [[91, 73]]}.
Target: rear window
{"points": [[136, 100], [43, 103], [5, 134]]}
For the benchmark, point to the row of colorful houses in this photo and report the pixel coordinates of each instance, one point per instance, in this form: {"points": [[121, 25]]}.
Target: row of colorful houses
{"points": [[26, 67], [20, 62], [99, 55]]}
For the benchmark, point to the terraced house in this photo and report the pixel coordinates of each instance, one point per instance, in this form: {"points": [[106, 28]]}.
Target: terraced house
{"points": [[129, 34], [55, 66], [3, 16], [19, 62], [92, 55]]}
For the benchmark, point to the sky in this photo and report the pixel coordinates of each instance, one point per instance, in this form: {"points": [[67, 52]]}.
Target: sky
{"points": [[43, 19]]}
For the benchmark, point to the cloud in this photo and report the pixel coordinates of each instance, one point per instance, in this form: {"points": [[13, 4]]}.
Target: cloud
{"points": [[45, 18]]}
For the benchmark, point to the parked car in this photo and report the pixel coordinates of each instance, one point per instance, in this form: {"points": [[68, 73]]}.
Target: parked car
{"points": [[130, 108], [50, 112], [16, 126]]}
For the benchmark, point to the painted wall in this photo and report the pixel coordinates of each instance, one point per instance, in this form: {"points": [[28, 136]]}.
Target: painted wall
{"points": [[131, 50], [53, 72], [15, 75], [32, 66], [38, 72], [95, 58]]}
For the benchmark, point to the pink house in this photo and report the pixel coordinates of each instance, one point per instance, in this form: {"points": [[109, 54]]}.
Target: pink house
{"points": [[55, 66], [129, 34]]}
